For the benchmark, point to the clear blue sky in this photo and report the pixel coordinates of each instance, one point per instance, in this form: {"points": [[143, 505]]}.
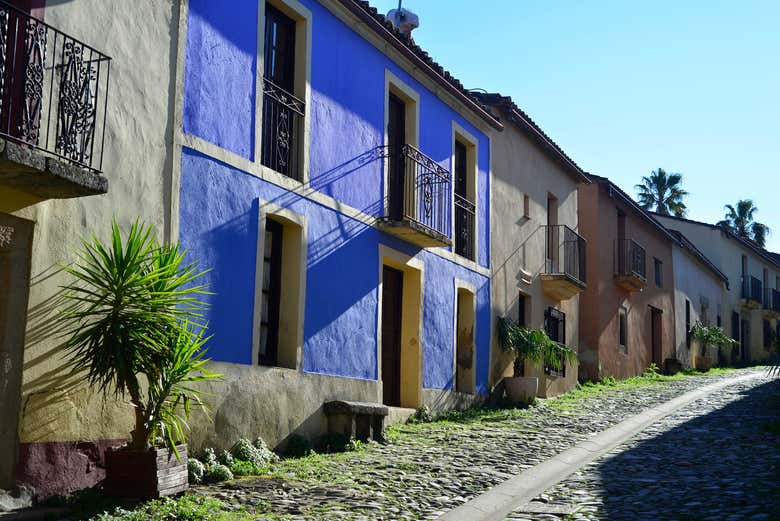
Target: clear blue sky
{"points": [[627, 87]]}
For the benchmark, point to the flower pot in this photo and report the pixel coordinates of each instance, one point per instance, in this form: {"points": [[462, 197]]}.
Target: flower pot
{"points": [[702, 363], [144, 474], [521, 389]]}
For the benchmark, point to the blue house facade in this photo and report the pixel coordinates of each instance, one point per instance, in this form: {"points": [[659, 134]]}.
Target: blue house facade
{"points": [[335, 182]]}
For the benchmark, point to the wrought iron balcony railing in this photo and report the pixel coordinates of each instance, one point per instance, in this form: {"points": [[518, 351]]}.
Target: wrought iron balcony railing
{"points": [[751, 288], [630, 259], [53, 90], [282, 134], [464, 227], [564, 252], [418, 191]]}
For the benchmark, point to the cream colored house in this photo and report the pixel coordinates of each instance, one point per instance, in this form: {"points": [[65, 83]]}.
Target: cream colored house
{"points": [[751, 305], [537, 254], [113, 161], [699, 291]]}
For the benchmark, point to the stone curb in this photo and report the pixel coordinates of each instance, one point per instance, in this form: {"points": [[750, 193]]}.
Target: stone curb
{"points": [[497, 503]]}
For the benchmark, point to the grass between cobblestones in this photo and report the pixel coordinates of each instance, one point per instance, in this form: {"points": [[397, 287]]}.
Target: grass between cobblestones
{"points": [[327, 469]]}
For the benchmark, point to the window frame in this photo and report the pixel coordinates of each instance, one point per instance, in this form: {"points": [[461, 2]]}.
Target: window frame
{"points": [[550, 314], [460, 134], [658, 266], [293, 285], [302, 16]]}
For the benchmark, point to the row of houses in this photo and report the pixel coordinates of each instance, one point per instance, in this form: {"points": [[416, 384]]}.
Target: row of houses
{"points": [[364, 218]]}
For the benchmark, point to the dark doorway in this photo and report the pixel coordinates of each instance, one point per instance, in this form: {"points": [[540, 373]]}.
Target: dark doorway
{"points": [[396, 139], [656, 335], [271, 295], [744, 350], [15, 246], [392, 307]]}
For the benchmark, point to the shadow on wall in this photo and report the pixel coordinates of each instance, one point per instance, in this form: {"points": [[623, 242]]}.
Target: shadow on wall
{"points": [[678, 465]]}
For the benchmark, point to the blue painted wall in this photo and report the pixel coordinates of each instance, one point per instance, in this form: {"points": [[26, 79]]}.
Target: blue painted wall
{"points": [[219, 204]]}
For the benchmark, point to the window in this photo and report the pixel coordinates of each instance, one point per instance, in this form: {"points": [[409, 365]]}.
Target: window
{"points": [[464, 200], [280, 283], [687, 323], [735, 325], [623, 329], [555, 326], [659, 272], [283, 112], [767, 334], [522, 317]]}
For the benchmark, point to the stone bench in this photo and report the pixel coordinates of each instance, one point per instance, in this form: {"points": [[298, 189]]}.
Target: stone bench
{"points": [[358, 420]]}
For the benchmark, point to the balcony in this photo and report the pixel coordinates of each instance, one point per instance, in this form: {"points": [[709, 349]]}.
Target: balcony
{"points": [[282, 137], [564, 271], [53, 104], [772, 303], [418, 196], [752, 293], [630, 265]]}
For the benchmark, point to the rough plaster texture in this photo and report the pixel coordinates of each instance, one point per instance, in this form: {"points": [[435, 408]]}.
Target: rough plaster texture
{"points": [[704, 290], [726, 253], [520, 167], [140, 37], [219, 207], [346, 110], [600, 355]]}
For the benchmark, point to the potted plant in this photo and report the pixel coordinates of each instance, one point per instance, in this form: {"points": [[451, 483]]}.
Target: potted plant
{"points": [[706, 337], [133, 330], [534, 346]]}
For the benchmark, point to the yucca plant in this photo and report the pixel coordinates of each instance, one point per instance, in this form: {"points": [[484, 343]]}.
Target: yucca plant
{"points": [[134, 328], [533, 345]]}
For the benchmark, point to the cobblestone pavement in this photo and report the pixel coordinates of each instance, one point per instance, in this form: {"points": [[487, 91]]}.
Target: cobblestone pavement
{"points": [[427, 469], [716, 459]]}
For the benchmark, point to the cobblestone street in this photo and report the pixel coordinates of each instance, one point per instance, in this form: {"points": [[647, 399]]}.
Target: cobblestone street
{"points": [[428, 469], [716, 459]]}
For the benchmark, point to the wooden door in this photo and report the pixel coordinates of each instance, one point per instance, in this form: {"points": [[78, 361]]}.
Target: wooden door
{"points": [[396, 138], [15, 247], [392, 305]]}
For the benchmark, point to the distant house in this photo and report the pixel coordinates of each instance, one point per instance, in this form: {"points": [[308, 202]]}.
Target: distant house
{"points": [[699, 289], [627, 312], [751, 306], [537, 253]]}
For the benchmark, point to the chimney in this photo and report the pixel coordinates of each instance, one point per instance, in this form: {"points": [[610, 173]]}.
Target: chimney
{"points": [[404, 20]]}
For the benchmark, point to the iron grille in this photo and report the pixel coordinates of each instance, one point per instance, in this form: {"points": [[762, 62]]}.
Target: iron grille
{"points": [[53, 90], [465, 215], [282, 137], [630, 259], [564, 252]]}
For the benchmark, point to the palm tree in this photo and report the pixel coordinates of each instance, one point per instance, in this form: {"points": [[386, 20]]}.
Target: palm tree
{"points": [[662, 192], [739, 220]]}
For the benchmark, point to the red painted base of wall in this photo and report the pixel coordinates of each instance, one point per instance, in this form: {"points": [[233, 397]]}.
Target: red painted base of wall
{"points": [[62, 467]]}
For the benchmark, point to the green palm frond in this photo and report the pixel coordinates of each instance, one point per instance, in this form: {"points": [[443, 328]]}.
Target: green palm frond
{"points": [[662, 192]]}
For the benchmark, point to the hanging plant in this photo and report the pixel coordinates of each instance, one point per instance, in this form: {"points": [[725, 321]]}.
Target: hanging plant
{"points": [[533, 345]]}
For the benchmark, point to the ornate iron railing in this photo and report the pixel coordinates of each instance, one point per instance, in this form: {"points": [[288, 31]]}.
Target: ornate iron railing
{"points": [[282, 134], [53, 90], [564, 252], [630, 259], [751, 288], [463, 233], [418, 190]]}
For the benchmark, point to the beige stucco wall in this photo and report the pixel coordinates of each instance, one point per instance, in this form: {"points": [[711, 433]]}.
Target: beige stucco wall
{"points": [[726, 253], [517, 245], [701, 287], [140, 39]]}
